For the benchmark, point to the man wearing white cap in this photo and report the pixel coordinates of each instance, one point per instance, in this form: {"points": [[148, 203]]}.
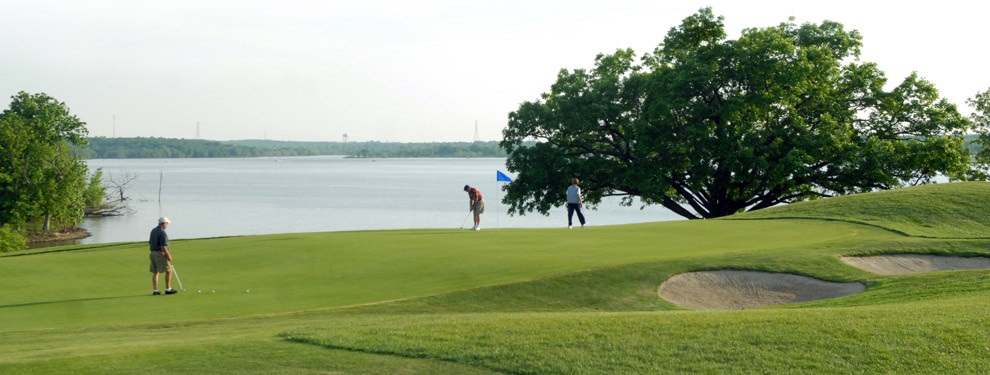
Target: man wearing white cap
{"points": [[160, 257]]}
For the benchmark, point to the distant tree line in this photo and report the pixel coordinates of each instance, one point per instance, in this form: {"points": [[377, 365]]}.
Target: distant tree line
{"points": [[381, 149], [972, 143], [143, 148], [135, 148]]}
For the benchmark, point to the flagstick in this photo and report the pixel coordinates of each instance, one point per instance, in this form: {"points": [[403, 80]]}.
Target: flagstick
{"points": [[499, 177], [160, 178], [498, 212]]}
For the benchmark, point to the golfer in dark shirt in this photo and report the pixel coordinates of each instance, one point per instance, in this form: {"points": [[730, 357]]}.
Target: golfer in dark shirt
{"points": [[160, 257]]}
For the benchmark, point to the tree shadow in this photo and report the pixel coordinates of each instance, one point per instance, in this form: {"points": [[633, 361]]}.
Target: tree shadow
{"points": [[67, 301]]}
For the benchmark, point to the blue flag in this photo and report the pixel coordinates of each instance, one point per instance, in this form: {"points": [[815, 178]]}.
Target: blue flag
{"points": [[499, 176]]}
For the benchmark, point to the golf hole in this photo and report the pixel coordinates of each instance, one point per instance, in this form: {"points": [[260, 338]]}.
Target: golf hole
{"points": [[906, 264], [730, 289]]}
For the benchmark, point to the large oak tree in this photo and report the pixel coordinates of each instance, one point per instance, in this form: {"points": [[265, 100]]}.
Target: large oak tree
{"points": [[708, 127]]}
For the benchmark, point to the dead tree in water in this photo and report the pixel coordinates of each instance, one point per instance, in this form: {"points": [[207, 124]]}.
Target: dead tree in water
{"points": [[114, 197]]}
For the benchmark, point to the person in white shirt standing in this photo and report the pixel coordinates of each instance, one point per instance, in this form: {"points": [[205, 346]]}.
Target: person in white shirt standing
{"points": [[574, 203]]}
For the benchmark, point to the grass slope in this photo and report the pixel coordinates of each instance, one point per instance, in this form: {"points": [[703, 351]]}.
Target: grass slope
{"points": [[941, 210], [513, 301]]}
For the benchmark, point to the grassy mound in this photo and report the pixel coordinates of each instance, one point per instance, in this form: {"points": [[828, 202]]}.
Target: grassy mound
{"points": [[513, 301], [953, 210]]}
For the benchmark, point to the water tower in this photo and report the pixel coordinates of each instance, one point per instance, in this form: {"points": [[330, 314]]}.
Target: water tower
{"points": [[345, 137]]}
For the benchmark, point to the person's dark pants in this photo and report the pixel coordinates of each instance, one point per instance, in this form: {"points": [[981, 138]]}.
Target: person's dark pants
{"points": [[571, 208]]}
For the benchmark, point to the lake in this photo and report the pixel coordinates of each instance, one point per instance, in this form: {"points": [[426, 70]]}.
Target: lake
{"points": [[249, 196]]}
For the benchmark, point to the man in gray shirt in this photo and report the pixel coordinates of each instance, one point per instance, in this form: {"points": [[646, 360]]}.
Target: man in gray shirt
{"points": [[574, 203]]}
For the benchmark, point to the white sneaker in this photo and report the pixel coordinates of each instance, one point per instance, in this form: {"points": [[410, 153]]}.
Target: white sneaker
{"points": [[570, 226], [477, 228]]}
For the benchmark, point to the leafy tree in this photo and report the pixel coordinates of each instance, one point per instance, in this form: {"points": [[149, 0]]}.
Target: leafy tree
{"points": [[14, 200], [40, 177], [95, 191], [709, 127], [981, 121]]}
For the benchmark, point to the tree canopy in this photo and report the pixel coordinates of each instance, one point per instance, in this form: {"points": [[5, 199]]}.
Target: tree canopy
{"points": [[40, 179], [981, 123], [708, 127]]}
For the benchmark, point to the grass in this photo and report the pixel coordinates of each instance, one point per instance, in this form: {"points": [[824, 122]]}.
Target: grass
{"points": [[521, 301], [949, 339], [937, 210]]}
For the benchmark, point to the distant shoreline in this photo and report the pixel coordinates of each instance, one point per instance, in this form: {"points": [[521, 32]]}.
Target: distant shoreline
{"points": [[166, 148]]}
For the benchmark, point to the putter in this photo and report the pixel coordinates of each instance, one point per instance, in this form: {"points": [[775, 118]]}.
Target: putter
{"points": [[176, 276]]}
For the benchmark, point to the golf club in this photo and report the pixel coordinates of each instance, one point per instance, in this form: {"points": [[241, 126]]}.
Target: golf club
{"points": [[176, 276], [466, 219]]}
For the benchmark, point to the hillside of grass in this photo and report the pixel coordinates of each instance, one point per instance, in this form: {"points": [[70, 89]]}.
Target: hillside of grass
{"points": [[519, 301], [950, 210]]}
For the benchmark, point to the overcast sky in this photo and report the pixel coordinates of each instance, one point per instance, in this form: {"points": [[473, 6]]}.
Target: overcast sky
{"points": [[405, 71]]}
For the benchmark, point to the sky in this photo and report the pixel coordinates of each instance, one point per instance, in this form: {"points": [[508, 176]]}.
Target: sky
{"points": [[400, 71]]}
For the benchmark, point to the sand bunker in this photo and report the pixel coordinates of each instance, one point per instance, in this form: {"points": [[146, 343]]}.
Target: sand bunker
{"points": [[903, 264], [728, 289]]}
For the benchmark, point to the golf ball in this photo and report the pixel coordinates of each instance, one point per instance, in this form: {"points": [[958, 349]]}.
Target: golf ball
{"points": [[247, 291], [214, 291], [200, 291]]}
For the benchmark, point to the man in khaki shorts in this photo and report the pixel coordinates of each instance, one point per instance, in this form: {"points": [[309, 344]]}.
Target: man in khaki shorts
{"points": [[160, 257], [476, 204]]}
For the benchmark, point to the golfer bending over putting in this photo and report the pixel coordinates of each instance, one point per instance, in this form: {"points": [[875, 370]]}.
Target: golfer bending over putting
{"points": [[160, 257], [475, 204]]}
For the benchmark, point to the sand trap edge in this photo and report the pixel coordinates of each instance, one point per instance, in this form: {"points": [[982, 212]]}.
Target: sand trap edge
{"points": [[733, 289], [906, 264]]}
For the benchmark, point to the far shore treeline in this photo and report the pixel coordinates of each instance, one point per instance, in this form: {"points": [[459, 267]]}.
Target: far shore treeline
{"points": [[138, 148], [151, 148]]}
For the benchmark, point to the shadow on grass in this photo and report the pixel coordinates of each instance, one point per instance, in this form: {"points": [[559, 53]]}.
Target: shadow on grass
{"points": [[70, 301]]}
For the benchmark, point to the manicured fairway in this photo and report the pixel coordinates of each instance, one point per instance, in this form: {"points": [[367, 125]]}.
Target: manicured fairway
{"points": [[514, 301], [301, 272]]}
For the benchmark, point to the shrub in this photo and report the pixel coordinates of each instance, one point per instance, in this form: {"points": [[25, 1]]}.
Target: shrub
{"points": [[10, 240]]}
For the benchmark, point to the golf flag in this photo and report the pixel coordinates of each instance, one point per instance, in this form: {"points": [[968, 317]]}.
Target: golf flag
{"points": [[499, 176]]}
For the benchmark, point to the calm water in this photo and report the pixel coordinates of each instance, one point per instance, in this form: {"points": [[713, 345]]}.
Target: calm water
{"points": [[231, 197]]}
